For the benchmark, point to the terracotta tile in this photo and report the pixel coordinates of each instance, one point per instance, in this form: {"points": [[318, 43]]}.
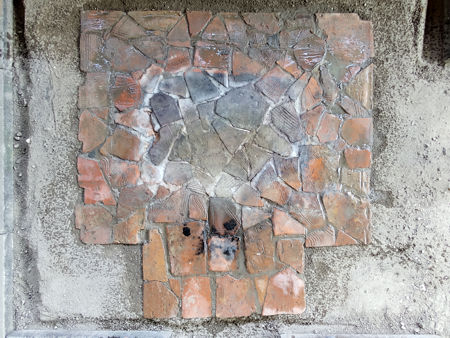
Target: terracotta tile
{"points": [[361, 88], [270, 188], [261, 287], [197, 21], [244, 68], [198, 207], [178, 60], [175, 285], [126, 28], [285, 294], [153, 258], [95, 224], [119, 173], [237, 30], [92, 131], [234, 297], [310, 120], [357, 181], [159, 301], [138, 119], [220, 75], [215, 31], [264, 22], [285, 118], [358, 158], [91, 179], [177, 173], [248, 196], [162, 192], [186, 249], [288, 171], [91, 56], [330, 89], [312, 95], [357, 131], [349, 214], [126, 92], [283, 224], [289, 64], [343, 239], [275, 83], [329, 128], [100, 112], [124, 145], [133, 198], [196, 298], [259, 248], [98, 21], [252, 216], [156, 20], [309, 50], [212, 56], [351, 107], [305, 208], [179, 35], [94, 92], [128, 231], [151, 48], [173, 209], [290, 252], [124, 57], [319, 238], [223, 253], [224, 218]]}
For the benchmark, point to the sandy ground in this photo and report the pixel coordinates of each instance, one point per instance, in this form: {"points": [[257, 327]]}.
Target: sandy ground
{"points": [[398, 284]]}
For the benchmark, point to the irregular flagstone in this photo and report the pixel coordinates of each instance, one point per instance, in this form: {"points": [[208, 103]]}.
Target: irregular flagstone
{"points": [[181, 150], [159, 301], [126, 28], [188, 110], [94, 92], [177, 173], [290, 65], [133, 198], [329, 128], [220, 75], [128, 231], [348, 214], [198, 207], [156, 20], [223, 216], [259, 248], [361, 88], [175, 285], [320, 238], [179, 36], [178, 60], [223, 253], [310, 120], [151, 48], [215, 30], [309, 50], [269, 139], [270, 188], [138, 119], [119, 173], [248, 196], [200, 86], [151, 174], [226, 186], [275, 83], [312, 94], [330, 89], [174, 85], [206, 114], [264, 22], [288, 171], [160, 148], [238, 166], [351, 107], [285, 294], [253, 216], [357, 181], [196, 298], [244, 68], [287, 121], [186, 246], [91, 57], [153, 258], [165, 108], [150, 78], [295, 91], [243, 107], [92, 131], [91, 179], [257, 158], [98, 21], [266, 56], [357, 158], [261, 287], [283, 224], [126, 92], [211, 56], [343, 239], [234, 297], [231, 137], [290, 252], [124, 57], [172, 209], [357, 131], [305, 208], [197, 21], [125, 145], [95, 224], [237, 30]]}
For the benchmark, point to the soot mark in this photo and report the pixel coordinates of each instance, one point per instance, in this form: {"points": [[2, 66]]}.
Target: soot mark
{"points": [[230, 225], [186, 231], [201, 247]]}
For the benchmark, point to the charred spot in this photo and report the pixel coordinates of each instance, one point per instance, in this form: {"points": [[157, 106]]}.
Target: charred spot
{"points": [[201, 248], [186, 231], [227, 252], [230, 225]]}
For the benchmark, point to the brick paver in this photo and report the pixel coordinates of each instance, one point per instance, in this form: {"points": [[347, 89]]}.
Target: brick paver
{"points": [[224, 144]]}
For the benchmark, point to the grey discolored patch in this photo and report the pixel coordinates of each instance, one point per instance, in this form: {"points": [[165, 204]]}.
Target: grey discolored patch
{"points": [[165, 108], [200, 86], [231, 137], [174, 85], [268, 138], [161, 148]]}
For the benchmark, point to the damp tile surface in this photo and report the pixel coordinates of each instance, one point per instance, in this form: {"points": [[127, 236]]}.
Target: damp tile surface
{"points": [[224, 144]]}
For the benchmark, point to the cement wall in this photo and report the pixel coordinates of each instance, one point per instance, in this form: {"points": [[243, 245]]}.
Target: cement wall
{"points": [[398, 284]]}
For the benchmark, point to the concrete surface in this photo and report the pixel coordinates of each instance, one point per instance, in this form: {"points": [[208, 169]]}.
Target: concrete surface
{"points": [[398, 284]]}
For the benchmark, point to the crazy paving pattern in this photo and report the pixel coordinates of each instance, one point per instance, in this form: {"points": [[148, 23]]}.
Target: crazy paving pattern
{"points": [[224, 144]]}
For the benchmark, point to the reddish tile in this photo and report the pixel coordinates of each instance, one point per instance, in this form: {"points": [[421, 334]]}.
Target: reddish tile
{"points": [[133, 198], [95, 224], [285, 294], [153, 258], [234, 297], [138, 119], [288, 171], [312, 95], [252, 216], [319, 238], [197, 21], [211, 56], [357, 158], [186, 249], [215, 30], [179, 35], [152, 48], [283, 224], [290, 65], [310, 120], [162, 192], [175, 285], [261, 287], [343, 239], [126, 28], [259, 248], [198, 207], [150, 78], [159, 301], [156, 20], [309, 50], [170, 210], [244, 68], [124, 57], [91, 179], [196, 298], [357, 131], [305, 208], [92, 131], [223, 253], [290, 252], [329, 128], [100, 112], [275, 83], [237, 30], [348, 214], [91, 57], [126, 92], [128, 231], [330, 89], [351, 107], [98, 21], [264, 22], [361, 88], [178, 60], [124, 145], [248, 196], [119, 173], [270, 188], [357, 181], [94, 92]]}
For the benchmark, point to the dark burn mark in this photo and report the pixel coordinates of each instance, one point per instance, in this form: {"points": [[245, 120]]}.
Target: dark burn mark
{"points": [[227, 252], [201, 247], [230, 225], [186, 231]]}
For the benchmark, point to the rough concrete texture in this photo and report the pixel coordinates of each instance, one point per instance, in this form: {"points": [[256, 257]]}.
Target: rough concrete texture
{"points": [[398, 284]]}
